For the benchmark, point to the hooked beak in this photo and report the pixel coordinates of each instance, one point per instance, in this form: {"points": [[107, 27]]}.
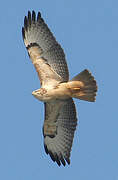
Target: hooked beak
{"points": [[34, 93]]}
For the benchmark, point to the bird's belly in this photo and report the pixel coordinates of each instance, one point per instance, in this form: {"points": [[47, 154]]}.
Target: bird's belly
{"points": [[60, 92]]}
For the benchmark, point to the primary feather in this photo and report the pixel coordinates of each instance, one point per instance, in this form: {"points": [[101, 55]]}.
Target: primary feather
{"points": [[56, 90]]}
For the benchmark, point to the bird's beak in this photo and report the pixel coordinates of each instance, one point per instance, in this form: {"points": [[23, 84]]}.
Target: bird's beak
{"points": [[33, 93]]}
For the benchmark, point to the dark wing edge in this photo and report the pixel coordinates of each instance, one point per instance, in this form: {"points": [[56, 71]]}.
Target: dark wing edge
{"points": [[36, 33], [59, 146], [35, 30]]}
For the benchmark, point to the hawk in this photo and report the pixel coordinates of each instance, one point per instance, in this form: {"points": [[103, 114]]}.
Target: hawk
{"points": [[57, 91]]}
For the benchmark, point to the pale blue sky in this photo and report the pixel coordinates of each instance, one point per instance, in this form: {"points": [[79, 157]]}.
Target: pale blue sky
{"points": [[88, 32]]}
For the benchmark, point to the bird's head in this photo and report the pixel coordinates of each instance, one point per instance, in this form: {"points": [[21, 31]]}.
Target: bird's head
{"points": [[39, 94], [36, 93]]}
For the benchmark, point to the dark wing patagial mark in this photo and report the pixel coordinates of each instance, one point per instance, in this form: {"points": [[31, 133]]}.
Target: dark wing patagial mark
{"points": [[32, 45]]}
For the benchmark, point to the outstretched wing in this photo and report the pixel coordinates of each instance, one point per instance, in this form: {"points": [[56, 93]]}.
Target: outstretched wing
{"points": [[59, 127], [43, 48]]}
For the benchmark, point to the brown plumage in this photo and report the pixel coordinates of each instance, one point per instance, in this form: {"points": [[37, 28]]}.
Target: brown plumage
{"points": [[56, 90]]}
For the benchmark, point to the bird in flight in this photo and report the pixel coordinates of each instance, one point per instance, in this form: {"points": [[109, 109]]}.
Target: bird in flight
{"points": [[57, 91]]}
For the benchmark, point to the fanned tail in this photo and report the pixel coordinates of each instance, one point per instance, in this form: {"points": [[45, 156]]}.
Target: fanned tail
{"points": [[83, 86]]}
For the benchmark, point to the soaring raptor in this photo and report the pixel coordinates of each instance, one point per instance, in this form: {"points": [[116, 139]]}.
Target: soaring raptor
{"points": [[56, 89]]}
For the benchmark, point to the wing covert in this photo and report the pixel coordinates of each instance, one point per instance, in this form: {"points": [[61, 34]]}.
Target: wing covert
{"points": [[37, 34], [58, 144]]}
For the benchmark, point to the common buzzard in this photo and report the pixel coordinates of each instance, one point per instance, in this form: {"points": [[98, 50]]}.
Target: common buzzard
{"points": [[56, 89]]}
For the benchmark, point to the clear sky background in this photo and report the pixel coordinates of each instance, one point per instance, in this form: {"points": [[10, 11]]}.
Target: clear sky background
{"points": [[88, 32]]}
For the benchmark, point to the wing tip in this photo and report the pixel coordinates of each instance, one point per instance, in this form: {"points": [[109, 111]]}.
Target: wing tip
{"points": [[63, 161], [33, 16], [67, 160], [59, 159], [46, 149], [25, 23], [23, 33], [29, 19], [38, 16]]}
